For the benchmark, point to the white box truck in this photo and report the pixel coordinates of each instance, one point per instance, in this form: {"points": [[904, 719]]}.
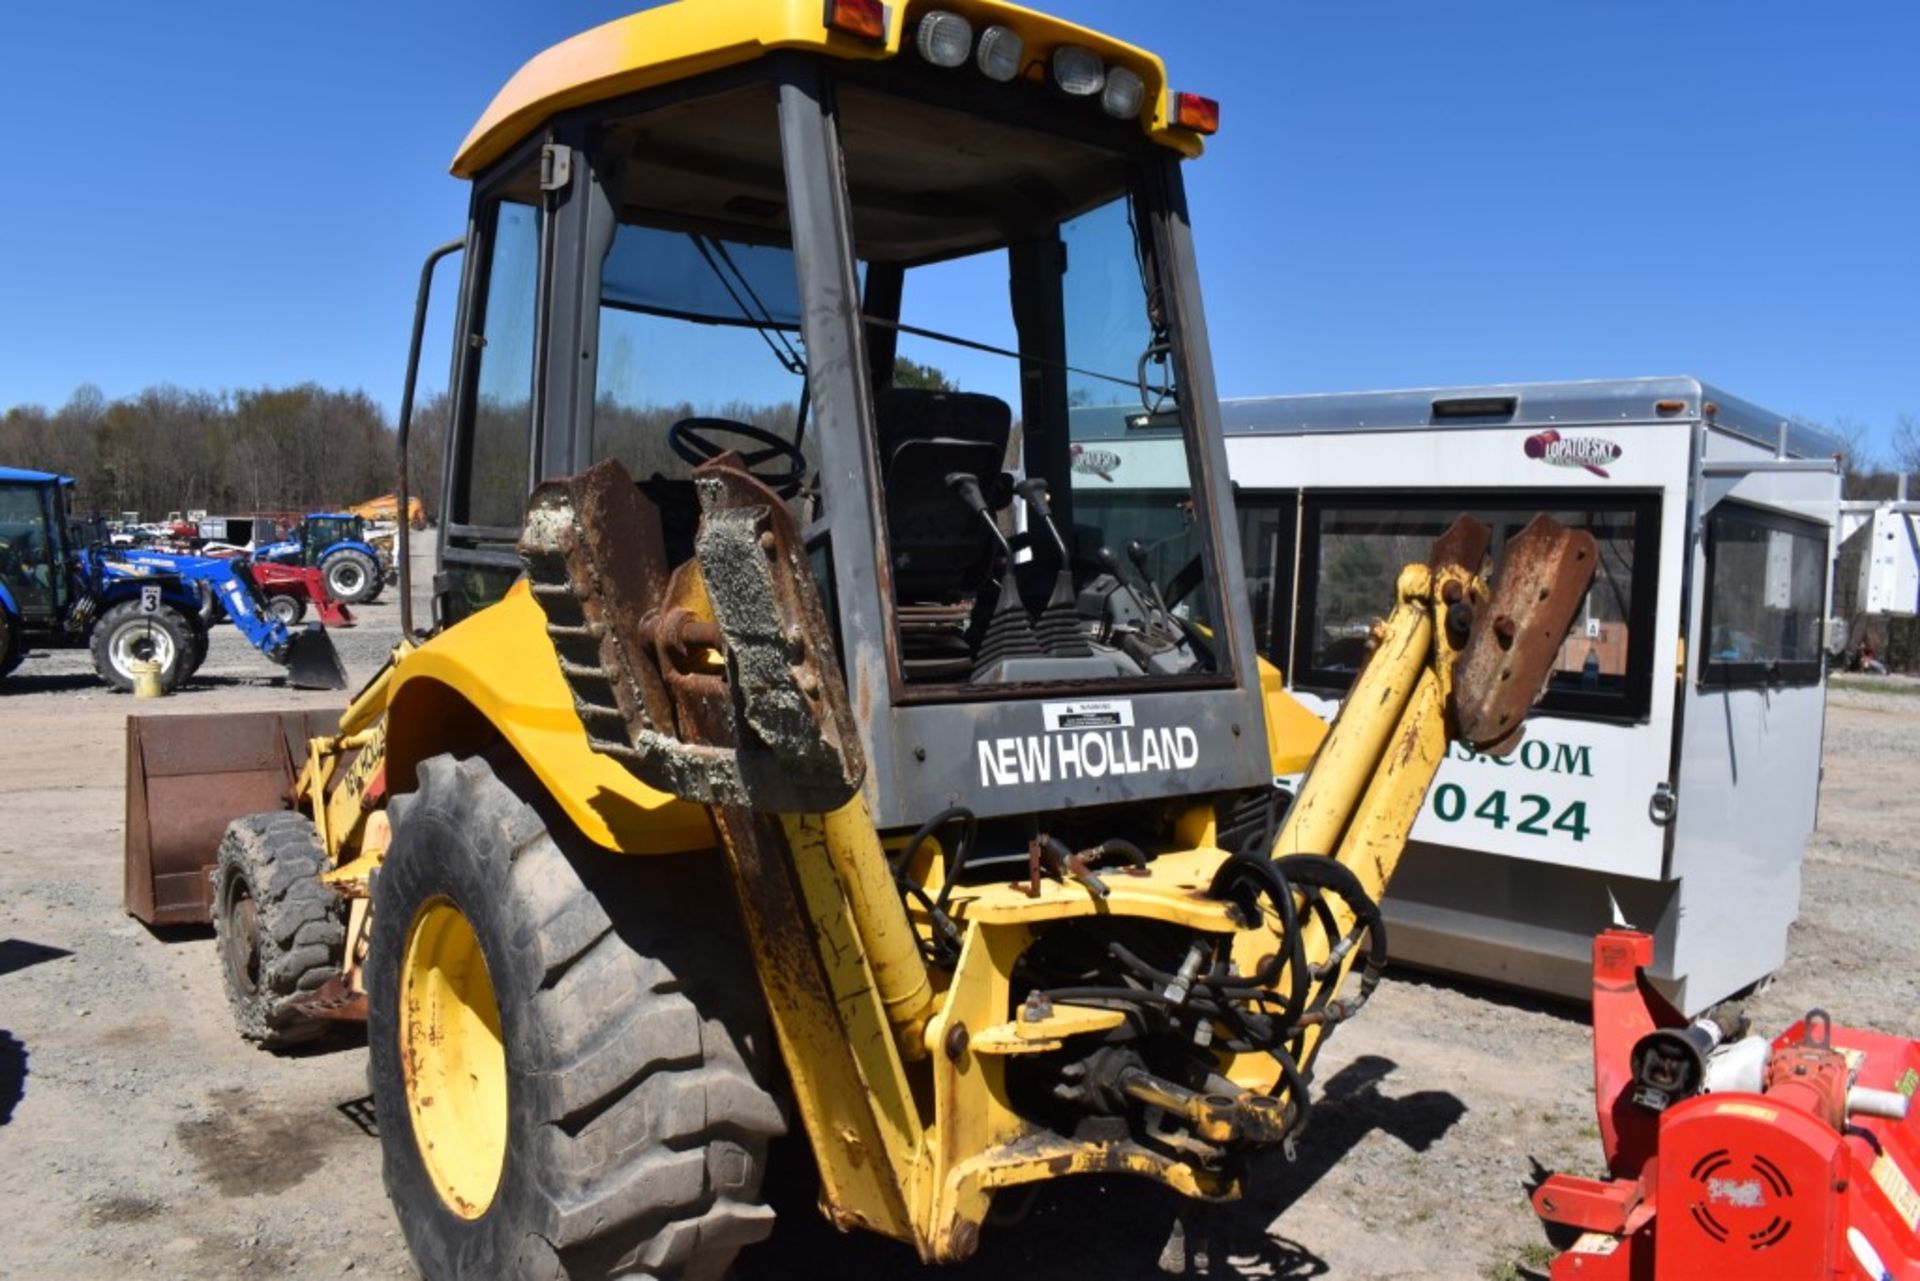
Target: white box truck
{"points": [[1671, 771]]}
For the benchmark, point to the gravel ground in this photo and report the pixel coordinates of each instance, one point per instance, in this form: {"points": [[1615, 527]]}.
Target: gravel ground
{"points": [[138, 1134]]}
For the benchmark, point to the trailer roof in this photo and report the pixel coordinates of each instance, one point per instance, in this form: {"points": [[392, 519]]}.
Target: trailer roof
{"points": [[33, 477], [675, 42], [1534, 405]]}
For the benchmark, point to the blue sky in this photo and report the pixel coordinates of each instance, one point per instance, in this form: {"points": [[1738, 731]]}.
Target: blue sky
{"points": [[223, 195]]}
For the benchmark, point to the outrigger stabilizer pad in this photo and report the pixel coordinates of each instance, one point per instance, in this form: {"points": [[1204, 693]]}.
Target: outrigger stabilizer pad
{"points": [[312, 662]]}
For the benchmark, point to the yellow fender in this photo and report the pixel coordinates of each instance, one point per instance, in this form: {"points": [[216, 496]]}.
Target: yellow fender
{"points": [[494, 675]]}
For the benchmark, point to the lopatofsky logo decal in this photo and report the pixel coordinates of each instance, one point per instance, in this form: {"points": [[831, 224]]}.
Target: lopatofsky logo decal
{"points": [[1094, 462], [1590, 452]]}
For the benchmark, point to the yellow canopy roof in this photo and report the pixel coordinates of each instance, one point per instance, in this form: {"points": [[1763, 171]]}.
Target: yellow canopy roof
{"points": [[677, 41]]}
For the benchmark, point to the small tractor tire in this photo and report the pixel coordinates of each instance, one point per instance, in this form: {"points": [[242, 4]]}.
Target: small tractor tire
{"points": [[287, 607], [13, 649], [568, 1050], [124, 634], [280, 929], [197, 653], [353, 577]]}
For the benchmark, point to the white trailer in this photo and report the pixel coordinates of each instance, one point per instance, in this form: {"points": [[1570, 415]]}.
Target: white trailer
{"points": [[1672, 768]]}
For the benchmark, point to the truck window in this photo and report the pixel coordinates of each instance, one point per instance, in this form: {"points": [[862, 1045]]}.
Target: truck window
{"points": [[1266, 547], [1766, 594], [1353, 547]]}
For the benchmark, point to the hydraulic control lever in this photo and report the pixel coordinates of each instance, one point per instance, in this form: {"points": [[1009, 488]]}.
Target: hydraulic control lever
{"points": [[1137, 553], [967, 486], [1060, 629], [1033, 492], [1010, 633]]}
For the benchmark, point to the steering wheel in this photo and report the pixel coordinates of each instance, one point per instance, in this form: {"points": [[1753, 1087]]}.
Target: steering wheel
{"points": [[693, 440]]}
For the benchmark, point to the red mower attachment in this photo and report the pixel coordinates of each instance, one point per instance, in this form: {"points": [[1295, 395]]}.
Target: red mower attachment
{"points": [[1733, 1156]]}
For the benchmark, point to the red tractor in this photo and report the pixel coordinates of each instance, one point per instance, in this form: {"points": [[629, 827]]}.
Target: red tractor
{"points": [[290, 589]]}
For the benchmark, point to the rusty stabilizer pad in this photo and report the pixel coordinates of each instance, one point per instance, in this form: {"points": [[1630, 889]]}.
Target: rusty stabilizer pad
{"points": [[596, 561], [1544, 574]]}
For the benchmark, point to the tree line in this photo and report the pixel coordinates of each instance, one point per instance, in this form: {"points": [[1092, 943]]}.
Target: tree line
{"points": [[308, 448], [301, 448]]}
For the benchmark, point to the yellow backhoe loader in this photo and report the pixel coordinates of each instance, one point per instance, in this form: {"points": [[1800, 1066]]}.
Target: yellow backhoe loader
{"points": [[791, 758]]}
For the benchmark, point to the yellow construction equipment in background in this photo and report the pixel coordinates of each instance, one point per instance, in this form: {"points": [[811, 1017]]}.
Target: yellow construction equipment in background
{"points": [[814, 745], [387, 508]]}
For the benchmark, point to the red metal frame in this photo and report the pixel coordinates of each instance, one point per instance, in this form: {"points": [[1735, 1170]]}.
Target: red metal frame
{"points": [[300, 580], [1741, 1184]]}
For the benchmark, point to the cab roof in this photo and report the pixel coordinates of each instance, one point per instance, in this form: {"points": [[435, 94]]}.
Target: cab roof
{"points": [[691, 37], [33, 477]]}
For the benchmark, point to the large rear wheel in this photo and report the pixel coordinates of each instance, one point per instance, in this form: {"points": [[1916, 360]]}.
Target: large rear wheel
{"points": [[569, 1054], [353, 577]]}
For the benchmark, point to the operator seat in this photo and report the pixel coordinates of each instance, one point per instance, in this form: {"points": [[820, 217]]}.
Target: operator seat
{"points": [[941, 550]]}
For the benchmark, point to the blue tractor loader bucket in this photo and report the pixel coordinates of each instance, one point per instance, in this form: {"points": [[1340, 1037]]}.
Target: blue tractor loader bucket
{"points": [[312, 662]]}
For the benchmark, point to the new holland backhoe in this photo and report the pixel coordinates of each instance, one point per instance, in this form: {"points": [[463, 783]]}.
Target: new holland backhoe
{"points": [[810, 748]]}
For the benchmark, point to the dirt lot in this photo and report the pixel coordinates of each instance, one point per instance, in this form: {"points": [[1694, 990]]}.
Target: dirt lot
{"points": [[138, 1134]]}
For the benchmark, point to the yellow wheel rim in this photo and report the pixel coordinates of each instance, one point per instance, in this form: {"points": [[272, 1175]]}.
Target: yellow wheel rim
{"points": [[452, 1058]]}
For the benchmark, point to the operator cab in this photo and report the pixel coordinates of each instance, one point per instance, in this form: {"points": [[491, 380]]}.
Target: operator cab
{"points": [[34, 546], [320, 531], [887, 283]]}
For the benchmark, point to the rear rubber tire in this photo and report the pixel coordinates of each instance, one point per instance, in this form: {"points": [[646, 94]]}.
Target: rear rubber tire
{"points": [[123, 632], [288, 608], [634, 1040], [279, 929], [353, 577]]}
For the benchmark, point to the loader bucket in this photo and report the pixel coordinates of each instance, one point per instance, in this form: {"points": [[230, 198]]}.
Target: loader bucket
{"points": [[187, 778], [312, 662]]}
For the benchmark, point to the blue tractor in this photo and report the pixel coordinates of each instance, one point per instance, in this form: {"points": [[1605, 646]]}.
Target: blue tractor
{"points": [[57, 594], [335, 543], [307, 654]]}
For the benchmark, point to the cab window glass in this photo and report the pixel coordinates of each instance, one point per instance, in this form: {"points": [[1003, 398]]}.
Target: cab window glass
{"points": [[498, 471], [1032, 533], [26, 558], [1766, 594]]}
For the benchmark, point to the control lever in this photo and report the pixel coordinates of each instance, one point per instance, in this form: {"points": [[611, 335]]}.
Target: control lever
{"points": [[1061, 630], [1137, 553], [967, 486], [1033, 490], [1110, 564], [1009, 632]]}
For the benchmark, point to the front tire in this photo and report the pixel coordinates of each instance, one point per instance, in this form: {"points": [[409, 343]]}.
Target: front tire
{"points": [[288, 608], [124, 635], [13, 647], [353, 578], [279, 928], [585, 1051], [197, 653]]}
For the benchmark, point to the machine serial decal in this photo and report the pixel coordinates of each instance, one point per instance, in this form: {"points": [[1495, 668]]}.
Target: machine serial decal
{"points": [[1097, 713], [1591, 452]]}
